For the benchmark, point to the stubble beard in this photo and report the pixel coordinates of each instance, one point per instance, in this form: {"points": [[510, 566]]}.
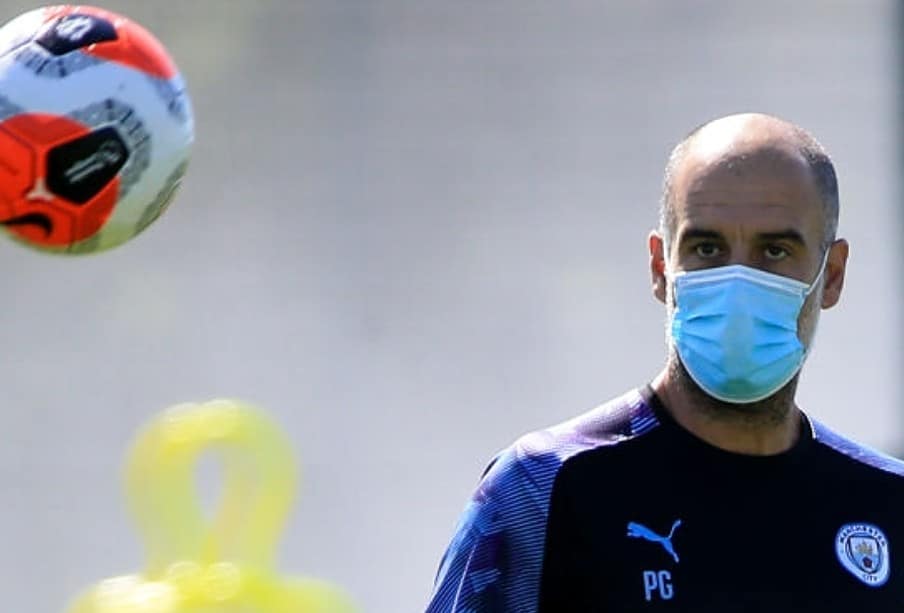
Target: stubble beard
{"points": [[770, 411]]}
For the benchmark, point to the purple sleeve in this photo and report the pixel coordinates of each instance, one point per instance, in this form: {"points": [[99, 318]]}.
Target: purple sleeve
{"points": [[494, 561]]}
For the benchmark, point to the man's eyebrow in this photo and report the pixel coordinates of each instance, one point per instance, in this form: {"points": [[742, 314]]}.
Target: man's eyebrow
{"points": [[697, 233], [784, 235]]}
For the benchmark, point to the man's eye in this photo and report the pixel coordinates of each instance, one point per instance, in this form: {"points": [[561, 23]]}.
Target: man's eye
{"points": [[707, 250], [776, 252]]}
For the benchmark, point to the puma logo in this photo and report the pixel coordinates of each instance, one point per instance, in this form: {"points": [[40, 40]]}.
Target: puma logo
{"points": [[640, 531]]}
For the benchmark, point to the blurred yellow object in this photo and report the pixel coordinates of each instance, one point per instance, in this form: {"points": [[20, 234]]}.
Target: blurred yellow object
{"points": [[218, 564]]}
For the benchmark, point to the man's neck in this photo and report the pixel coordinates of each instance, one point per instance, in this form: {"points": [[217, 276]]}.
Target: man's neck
{"points": [[767, 427]]}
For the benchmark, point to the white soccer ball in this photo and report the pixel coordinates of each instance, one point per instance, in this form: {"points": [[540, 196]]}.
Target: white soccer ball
{"points": [[96, 128]]}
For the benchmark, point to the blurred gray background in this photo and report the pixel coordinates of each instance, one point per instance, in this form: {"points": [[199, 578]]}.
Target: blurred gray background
{"points": [[414, 231]]}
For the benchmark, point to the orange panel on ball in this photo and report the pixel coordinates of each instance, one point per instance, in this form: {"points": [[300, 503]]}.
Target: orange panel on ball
{"points": [[30, 209], [17, 170]]}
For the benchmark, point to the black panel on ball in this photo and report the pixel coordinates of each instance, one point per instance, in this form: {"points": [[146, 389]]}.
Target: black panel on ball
{"points": [[74, 32], [80, 169]]}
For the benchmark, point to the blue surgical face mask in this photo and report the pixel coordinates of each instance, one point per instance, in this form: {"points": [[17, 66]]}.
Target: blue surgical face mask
{"points": [[735, 330]]}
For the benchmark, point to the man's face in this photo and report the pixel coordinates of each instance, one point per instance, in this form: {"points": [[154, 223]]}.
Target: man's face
{"points": [[760, 208]]}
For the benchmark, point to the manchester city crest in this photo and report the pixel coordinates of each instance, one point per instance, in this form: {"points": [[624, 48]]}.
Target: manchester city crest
{"points": [[863, 550]]}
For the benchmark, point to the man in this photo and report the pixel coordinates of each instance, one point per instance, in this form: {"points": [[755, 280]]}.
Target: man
{"points": [[707, 490]]}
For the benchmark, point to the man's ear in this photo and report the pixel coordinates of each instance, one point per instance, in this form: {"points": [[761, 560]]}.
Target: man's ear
{"points": [[657, 264], [836, 264]]}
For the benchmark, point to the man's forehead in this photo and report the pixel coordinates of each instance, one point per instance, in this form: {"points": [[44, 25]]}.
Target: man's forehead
{"points": [[747, 172], [744, 158], [763, 178], [757, 193]]}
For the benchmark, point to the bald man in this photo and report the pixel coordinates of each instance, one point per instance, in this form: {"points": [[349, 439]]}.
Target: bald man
{"points": [[708, 489]]}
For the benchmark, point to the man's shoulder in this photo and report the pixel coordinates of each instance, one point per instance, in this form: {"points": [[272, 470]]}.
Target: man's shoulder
{"points": [[860, 455], [497, 553], [542, 452]]}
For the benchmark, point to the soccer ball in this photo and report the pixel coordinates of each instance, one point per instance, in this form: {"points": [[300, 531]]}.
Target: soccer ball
{"points": [[95, 129]]}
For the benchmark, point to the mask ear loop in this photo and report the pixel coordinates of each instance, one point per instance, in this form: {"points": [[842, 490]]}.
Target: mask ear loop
{"points": [[668, 274], [819, 276], [822, 270]]}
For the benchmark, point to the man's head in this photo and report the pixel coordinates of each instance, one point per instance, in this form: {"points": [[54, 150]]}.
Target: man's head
{"points": [[806, 145], [757, 191]]}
